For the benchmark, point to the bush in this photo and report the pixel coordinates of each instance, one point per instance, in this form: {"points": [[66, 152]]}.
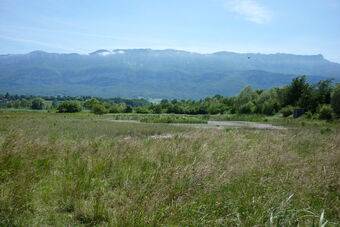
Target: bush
{"points": [[326, 112], [69, 107], [309, 115], [268, 108], [247, 108], [37, 104], [99, 109], [287, 111], [115, 109], [128, 109], [325, 130], [316, 116], [141, 110], [89, 103], [335, 99]]}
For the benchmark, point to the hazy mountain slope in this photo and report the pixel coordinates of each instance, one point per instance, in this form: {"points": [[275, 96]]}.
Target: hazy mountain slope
{"points": [[154, 73]]}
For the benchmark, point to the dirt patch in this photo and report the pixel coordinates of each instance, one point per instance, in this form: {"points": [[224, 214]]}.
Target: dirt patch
{"points": [[164, 136], [244, 124], [221, 124]]}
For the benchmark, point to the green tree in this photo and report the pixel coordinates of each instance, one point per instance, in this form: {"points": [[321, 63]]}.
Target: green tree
{"points": [[115, 109], [164, 101], [69, 107], [37, 104], [287, 111], [55, 104], [25, 103], [247, 108], [128, 109], [98, 108], [335, 99], [295, 90], [90, 102], [156, 109], [323, 91], [244, 100], [141, 110], [326, 112]]}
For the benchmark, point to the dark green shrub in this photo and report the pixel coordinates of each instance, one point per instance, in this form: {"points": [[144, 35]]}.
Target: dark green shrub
{"points": [[287, 111], [247, 108], [141, 110], [316, 116], [325, 130], [156, 109], [99, 109], [69, 107], [309, 115], [37, 104], [269, 108], [335, 99], [115, 109], [88, 104], [326, 112], [128, 109]]}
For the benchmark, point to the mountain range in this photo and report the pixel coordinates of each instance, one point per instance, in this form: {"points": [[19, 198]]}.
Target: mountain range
{"points": [[155, 73]]}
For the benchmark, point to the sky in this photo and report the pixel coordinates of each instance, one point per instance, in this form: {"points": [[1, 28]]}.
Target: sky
{"points": [[305, 27]]}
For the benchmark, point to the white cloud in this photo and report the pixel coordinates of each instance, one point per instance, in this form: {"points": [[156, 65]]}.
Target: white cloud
{"points": [[250, 10], [112, 52]]}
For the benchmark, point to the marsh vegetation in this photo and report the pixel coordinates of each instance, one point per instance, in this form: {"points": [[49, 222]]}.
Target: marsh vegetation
{"points": [[81, 170]]}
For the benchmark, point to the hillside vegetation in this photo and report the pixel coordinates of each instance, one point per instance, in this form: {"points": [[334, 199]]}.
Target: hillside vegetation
{"points": [[155, 73]]}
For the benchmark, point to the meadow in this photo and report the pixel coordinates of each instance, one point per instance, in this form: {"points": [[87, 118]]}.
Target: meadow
{"points": [[85, 170]]}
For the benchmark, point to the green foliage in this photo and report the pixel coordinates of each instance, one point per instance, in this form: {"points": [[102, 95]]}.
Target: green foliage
{"points": [[270, 107], [326, 112], [89, 103], [69, 107], [128, 109], [243, 102], [141, 110], [287, 111], [98, 108], [326, 130], [247, 108], [238, 117], [156, 109], [335, 99], [295, 90], [55, 104], [37, 104], [115, 109], [309, 115], [299, 93]]}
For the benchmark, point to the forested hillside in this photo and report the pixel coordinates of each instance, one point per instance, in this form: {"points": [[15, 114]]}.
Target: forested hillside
{"points": [[155, 73]]}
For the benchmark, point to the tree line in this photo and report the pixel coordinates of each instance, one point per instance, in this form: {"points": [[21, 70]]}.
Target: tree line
{"points": [[318, 100], [40, 102]]}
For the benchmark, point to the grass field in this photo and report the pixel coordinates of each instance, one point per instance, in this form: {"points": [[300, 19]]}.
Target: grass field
{"points": [[162, 118], [82, 170]]}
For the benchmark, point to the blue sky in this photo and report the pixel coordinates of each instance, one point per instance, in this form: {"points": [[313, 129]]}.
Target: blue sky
{"points": [[205, 26]]}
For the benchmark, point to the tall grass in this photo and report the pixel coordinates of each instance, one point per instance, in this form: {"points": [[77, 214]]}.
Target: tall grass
{"points": [[63, 170], [163, 118], [239, 117]]}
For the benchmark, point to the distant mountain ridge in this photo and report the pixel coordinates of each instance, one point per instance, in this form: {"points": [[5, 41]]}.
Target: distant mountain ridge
{"points": [[155, 73]]}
